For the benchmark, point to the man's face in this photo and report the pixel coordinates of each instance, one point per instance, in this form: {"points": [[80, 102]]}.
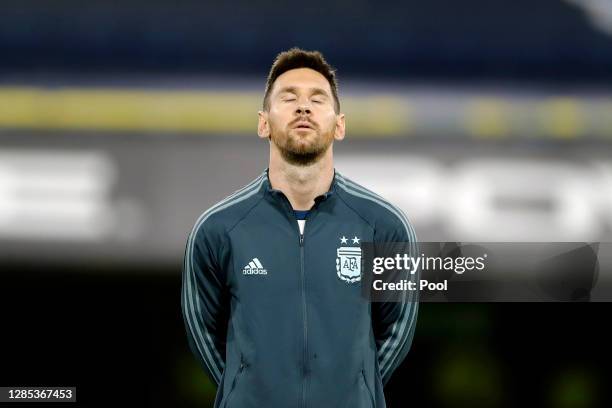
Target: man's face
{"points": [[301, 120]]}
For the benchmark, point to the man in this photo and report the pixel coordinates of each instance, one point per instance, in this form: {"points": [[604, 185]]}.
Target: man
{"points": [[271, 293]]}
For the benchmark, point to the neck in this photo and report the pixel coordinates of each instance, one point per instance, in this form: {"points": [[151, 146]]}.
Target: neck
{"points": [[302, 184]]}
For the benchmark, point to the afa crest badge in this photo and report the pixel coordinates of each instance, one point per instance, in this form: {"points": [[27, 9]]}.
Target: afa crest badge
{"points": [[348, 261]]}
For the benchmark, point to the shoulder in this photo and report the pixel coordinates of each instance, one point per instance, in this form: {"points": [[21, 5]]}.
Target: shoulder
{"points": [[376, 210], [224, 214]]}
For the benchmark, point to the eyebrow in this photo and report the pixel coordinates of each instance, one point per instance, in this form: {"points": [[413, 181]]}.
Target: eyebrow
{"points": [[313, 91]]}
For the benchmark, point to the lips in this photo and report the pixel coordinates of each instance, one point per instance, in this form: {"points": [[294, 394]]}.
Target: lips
{"points": [[303, 125]]}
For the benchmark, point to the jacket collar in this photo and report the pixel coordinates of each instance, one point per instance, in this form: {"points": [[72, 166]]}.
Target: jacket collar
{"points": [[332, 190]]}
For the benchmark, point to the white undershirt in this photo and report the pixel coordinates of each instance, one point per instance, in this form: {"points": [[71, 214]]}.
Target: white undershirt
{"points": [[301, 223]]}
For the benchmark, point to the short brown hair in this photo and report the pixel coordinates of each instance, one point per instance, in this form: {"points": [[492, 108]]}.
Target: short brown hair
{"points": [[299, 58]]}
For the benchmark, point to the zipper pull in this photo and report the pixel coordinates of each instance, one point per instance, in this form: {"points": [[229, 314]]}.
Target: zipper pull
{"points": [[301, 239]]}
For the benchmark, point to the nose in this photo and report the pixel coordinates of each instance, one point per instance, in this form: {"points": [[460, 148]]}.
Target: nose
{"points": [[303, 110]]}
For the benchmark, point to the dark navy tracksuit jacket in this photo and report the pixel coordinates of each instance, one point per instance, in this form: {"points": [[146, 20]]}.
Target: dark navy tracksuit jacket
{"points": [[276, 317]]}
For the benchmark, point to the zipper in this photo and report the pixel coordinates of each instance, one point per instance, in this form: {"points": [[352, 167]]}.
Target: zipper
{"points": [[305, 317], [303, 286], [304, 312]]}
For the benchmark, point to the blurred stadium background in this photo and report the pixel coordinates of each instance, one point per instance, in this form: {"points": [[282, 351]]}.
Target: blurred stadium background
{"points": [[120, 122]]}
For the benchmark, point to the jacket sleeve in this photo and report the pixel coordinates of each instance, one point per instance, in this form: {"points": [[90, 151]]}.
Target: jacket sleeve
{"points": [[394, 322], [204, 300]]}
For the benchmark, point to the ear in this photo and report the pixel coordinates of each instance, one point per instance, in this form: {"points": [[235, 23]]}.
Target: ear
{"points": [[263, 126], [340, 127]]}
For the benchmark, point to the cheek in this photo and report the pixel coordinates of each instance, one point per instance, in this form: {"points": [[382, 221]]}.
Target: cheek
{"points": [[279, 117], [328, 119]]}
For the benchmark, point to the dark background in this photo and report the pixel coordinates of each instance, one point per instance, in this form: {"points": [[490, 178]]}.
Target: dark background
{"points": [[120, 340], [542, 40]]}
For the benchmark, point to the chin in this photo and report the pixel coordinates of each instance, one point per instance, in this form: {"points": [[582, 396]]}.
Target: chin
{"points": [[305, 146]]}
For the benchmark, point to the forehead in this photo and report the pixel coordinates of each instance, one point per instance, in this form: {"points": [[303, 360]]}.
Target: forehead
{"points": [[305, 78]]}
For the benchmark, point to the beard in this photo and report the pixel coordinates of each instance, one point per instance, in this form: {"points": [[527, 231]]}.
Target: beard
{"points": [[296, 150]]}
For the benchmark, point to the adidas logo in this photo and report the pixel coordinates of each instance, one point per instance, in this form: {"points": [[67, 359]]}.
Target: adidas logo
{"points": [[254, 268]]}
